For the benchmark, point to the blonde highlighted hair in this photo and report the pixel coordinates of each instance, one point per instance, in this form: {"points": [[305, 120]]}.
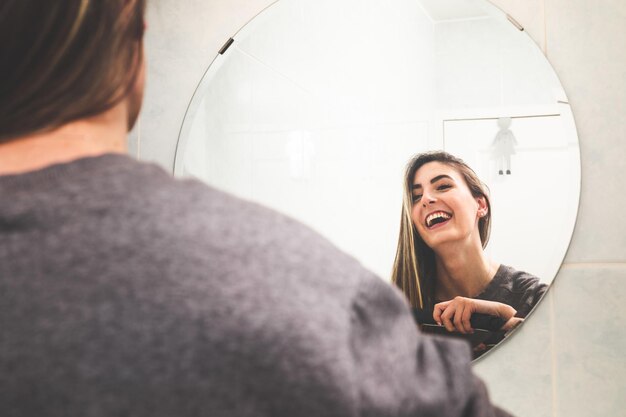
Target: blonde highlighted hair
{"points": [[414, 269]]}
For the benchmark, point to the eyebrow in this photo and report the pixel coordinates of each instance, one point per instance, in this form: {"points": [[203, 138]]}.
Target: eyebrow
{"points": [[434, 180]]}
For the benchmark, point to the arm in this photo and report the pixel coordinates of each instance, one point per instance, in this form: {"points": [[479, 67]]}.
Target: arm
{"points": [[455, 314], [399, 371]]}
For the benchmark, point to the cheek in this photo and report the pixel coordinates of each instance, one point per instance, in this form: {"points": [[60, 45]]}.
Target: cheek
{"points": [[415, 218], [415, 215], [469, 212]]}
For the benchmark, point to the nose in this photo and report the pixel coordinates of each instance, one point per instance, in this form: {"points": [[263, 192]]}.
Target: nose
{"points": [[427, 199]]}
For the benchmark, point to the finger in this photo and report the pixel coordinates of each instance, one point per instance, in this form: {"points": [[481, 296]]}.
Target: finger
{"points": [[466, 319], [437, 315], [446, 318], [480, 348], [458, 318], [438, 310]]}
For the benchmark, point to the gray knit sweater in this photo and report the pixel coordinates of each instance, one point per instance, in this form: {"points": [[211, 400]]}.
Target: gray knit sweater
{"points": [[125, 292]]}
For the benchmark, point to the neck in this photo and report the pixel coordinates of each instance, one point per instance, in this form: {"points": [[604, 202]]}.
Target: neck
{"points": [[104, 133], [464, 272]]}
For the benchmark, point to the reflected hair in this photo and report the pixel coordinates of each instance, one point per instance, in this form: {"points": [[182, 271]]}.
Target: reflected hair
{"points": [[65, 60], [414, 268]]}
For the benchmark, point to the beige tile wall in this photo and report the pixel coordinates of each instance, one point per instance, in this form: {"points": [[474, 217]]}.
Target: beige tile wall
{"points": [[569, 359]]}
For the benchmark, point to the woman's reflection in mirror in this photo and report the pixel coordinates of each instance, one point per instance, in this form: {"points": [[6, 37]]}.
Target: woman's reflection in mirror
{"points": [[441, 265]]}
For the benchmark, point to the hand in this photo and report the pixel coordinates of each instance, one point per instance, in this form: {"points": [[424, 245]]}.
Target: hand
{"points": [[455, 314], [512, 323]]}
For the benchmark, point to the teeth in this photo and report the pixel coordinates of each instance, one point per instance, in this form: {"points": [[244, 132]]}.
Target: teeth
{"points": [[437, 215]]}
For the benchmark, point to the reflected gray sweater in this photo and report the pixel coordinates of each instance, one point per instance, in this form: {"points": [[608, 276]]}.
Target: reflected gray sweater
{"points": [[519, 289], [125, 292]]}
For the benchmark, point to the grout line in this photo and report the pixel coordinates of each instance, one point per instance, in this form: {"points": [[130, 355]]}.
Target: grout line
{"points": [[421, 6], [459, 119], [463, 19], [545, 28], [581, 265], [274, 70]]}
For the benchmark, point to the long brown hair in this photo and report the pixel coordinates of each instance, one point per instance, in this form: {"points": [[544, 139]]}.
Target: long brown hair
{"points": [[65, 60], [414, 266]]}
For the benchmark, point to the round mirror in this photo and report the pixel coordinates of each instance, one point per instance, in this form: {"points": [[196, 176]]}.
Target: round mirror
{"points": [[315, 107]]}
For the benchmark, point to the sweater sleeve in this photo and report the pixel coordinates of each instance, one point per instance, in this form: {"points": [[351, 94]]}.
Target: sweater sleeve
{"points": [[530, 291], [400, 371]]}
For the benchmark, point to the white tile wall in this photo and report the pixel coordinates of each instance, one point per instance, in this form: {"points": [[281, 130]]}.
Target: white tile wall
{"points": [[587, 47], [590, 341], [181, 41], [568, 359], [586, 44]]}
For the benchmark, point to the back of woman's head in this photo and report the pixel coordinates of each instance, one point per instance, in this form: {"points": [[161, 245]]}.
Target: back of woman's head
{"points": [[64, 60]]}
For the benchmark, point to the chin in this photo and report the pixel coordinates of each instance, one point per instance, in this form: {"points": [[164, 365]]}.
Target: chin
{"points": [[442, 238]]}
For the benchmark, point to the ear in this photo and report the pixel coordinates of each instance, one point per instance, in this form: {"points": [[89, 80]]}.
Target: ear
{"points": [[483, 209]]}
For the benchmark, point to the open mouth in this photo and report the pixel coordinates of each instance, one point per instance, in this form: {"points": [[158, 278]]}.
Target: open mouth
{"points": [[438, 217]]}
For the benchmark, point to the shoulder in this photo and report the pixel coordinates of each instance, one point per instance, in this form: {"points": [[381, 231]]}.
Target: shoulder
{"points": [[518, 281], [150, 189], [520, 289], [187, 219], [229, 254]]}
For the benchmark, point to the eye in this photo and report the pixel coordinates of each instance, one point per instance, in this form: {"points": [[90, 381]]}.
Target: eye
{"points": [[443, 187], [416, 198]]}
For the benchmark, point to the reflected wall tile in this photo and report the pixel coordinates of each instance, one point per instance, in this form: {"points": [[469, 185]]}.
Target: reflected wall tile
{"points": [[182, 40], [590, 342], [519, 373], [530, 14]]}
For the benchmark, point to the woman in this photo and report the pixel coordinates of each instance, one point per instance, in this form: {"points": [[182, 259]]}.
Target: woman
{"points": [[440, 262], [125, 292]]}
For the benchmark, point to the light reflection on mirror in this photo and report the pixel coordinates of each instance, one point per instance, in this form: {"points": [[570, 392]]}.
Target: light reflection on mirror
{"points": [[316, 107]]}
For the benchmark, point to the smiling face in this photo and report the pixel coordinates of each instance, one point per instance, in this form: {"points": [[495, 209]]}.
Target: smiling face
{"points": [[444, 209]]}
